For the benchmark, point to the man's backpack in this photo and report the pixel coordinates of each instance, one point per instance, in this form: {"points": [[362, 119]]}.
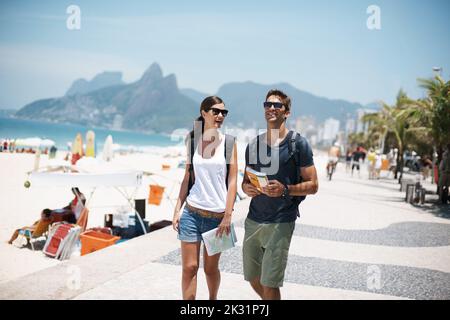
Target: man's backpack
{"points": [[229, 143], [294, 157]]}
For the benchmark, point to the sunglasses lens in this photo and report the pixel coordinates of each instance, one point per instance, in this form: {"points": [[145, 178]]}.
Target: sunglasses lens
{"points": [[217, 111], [276, 105]]}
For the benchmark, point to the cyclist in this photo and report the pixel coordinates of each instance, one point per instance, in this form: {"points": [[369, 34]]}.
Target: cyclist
{"points": [[333, 158]]}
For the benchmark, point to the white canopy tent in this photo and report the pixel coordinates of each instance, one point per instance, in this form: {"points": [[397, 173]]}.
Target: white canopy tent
{"points": [[34, 142], [86, 180], [118, 180]]}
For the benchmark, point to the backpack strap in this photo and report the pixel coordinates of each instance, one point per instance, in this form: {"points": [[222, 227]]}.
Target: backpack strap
{"points": [[253, 148], [294, 154], [228, 151], [192, 148], [292, 148]]}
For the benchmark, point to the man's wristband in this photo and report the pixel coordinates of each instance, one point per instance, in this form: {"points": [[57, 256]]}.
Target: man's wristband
{"points": [[285, 193]]}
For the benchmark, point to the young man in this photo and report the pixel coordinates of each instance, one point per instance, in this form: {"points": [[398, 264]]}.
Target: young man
{"points": [[357, 156], [287, 159]]}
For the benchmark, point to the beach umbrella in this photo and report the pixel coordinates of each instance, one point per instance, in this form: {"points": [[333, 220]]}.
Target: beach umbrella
{"points": [[47, 143], [34, 142], [108, 148]]}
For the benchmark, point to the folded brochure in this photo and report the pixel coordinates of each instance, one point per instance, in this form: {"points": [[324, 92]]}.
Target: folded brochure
{"points": [[215, 244], [258, 179]]}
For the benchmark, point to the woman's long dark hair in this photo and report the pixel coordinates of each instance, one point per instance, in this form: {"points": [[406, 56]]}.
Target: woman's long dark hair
{"points": [[206, 105]]}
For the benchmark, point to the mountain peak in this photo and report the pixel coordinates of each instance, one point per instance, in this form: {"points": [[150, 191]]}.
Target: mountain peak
{"points": [[170, 82], [110, 76], [153, 73], [101, 80]]}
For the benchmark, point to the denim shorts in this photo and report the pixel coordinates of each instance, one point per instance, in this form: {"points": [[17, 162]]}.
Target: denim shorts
{"points": [[192, 225]]}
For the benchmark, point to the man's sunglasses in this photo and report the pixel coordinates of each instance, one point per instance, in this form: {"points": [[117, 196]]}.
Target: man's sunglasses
{"points": [[216, 111], [276, 105]]}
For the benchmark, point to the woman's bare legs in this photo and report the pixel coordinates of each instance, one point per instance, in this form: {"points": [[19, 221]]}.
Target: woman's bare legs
{"points": [[212, 273], [190, 256], [14, 236]]}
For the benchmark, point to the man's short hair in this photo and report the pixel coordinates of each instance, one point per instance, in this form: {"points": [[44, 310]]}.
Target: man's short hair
{"points": [[285, 100]]}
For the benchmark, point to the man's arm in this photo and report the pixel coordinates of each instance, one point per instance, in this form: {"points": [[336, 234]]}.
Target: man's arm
{"points": [[310, 184], [248, 188]]}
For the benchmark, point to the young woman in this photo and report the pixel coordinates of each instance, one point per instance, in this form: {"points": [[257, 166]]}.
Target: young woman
{"points": [[209, 189]]}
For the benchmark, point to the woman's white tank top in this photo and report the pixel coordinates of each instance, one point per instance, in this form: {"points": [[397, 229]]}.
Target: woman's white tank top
{"points": [[209, 191]]}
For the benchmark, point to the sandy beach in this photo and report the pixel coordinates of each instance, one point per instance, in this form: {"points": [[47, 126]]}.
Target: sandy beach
{"points": [[21, 206]]}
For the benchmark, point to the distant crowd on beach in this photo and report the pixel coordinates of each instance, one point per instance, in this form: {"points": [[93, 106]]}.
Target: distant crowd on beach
{"points": [[9, 145]]}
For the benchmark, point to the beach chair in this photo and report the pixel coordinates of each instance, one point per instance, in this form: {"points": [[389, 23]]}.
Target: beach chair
{"points": [[81, 213], [35, 232], [83, 219], [62, 240]]}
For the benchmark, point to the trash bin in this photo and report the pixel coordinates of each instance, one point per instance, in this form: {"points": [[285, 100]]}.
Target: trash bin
{"points": [[139, 205], [92, 241]]}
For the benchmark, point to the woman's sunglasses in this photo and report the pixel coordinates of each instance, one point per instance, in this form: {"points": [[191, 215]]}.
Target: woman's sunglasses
{"points": [[216, 111], [276, 105]]}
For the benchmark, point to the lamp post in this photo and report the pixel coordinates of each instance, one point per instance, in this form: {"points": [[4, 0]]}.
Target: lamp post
{"points": [[438, 71]]}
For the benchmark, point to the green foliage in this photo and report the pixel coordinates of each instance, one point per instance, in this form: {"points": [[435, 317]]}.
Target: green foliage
{"points": [[433, 113], [412, 124]]}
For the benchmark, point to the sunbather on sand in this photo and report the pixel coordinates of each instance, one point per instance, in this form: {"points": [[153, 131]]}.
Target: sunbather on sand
{"points": [[69, 213], [45, 215]]}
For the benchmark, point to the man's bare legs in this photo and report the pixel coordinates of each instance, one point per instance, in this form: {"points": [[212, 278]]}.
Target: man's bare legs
{"points": [[257, 286], [264, 292]]}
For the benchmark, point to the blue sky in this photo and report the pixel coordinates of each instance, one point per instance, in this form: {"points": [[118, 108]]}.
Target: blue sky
{"points": [[323, 47]]}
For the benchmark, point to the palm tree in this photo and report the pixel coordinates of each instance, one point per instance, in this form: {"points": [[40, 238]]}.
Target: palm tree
{"points": [[393, 119], [357, 139], [434, 112]]}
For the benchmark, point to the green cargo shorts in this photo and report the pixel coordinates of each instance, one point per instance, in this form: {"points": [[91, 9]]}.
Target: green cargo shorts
{"points": [[265, 251]]}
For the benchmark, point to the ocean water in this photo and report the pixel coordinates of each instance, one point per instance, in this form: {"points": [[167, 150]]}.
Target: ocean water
{"points": [[62, 134]]}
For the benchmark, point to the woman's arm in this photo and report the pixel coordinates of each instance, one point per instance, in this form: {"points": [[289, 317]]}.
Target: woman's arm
{"points": [[181, 197], [231, 194]]}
